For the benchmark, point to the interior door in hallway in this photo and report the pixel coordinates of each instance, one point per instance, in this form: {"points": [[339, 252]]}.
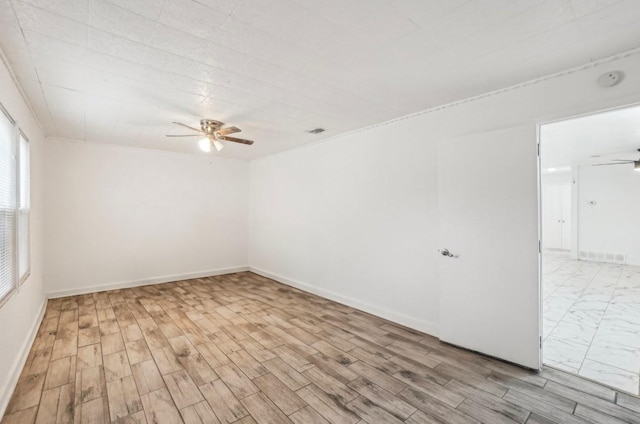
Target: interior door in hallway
{"points": [[556, 213], [488, 212]]}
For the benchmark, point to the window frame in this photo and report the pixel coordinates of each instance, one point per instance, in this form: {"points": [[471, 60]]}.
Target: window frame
{"points": [[17, 134], [27, 272], [8, 295]]}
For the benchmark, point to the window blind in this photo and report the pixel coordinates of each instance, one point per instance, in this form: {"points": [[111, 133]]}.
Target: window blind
{"points": [[24, 209], [7, 206]]}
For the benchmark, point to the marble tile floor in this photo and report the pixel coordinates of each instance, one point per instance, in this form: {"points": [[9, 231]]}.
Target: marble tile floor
{"points": [[591, 320]]}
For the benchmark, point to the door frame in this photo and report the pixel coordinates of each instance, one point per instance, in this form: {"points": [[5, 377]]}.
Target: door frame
{"points": [[539, 124]]}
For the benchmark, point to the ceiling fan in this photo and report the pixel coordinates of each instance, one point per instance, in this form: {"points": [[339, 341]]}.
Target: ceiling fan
{"points": [[636, 163], [213, 133]]}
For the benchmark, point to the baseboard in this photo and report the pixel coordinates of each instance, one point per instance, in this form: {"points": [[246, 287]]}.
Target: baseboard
{"points": [[399, 318], [18, 365], [145, 282]]}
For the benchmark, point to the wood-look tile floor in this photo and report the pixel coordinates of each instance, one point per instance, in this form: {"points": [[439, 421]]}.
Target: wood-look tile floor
{"points": [[244, 349]]}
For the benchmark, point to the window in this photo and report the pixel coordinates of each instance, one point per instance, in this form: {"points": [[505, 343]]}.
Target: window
{"points": [[15, 206], [24, 208], [7, 206]]}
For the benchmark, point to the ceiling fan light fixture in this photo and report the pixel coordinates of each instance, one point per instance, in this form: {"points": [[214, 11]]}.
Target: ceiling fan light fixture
{"points": [[214, 134], [205, 145], [218, 145]]}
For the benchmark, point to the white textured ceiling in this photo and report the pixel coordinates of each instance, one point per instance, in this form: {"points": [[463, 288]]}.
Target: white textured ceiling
{"points": [[591, 139], [120, 71]]}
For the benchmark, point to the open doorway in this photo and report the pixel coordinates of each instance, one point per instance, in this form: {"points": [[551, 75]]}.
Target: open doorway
{"points": [[590, 194]]}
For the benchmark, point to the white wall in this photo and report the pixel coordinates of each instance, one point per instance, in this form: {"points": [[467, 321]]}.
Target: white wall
{"points": [[20, 316], [611, 225], [119, 216], [354, 218]]}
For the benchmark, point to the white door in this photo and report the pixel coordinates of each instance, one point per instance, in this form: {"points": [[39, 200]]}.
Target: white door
{"points": [[488, 212], [556, 216], [565, 217], [551, 217]]}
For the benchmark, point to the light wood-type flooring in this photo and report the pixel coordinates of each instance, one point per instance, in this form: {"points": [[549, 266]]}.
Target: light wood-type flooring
{"points": [[244, 349]]}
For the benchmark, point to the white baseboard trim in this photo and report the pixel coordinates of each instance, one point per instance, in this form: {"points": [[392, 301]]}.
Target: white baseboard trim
{"points": [[19, 363], [399, 318], [145, 282]]}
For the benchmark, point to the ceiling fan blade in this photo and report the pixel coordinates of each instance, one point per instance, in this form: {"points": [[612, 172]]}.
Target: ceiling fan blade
{"points": [[607, 164], [187, 126], [228, 130], [183, 135], [236, 140]]}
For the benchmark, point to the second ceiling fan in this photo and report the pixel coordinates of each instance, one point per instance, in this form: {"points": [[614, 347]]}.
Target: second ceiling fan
{"points": [[213, 134], [636, 163]]}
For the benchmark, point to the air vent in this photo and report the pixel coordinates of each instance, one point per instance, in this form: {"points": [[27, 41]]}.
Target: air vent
{"points": [[612, 258], [316, 131]]}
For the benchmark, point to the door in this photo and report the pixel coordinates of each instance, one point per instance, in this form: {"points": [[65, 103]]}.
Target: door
{"points": [[556, 216], [551, 217], [488, 212], [565, 217]]}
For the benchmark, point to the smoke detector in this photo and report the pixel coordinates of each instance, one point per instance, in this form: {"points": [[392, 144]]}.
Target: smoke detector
{"points": [[609, 79]]}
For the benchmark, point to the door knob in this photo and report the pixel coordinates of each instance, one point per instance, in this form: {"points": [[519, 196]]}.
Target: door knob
{"points": [[445, 252]]}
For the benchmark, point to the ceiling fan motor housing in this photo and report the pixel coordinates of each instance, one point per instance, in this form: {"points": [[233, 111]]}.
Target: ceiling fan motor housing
{"points": [[210, 126]]}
